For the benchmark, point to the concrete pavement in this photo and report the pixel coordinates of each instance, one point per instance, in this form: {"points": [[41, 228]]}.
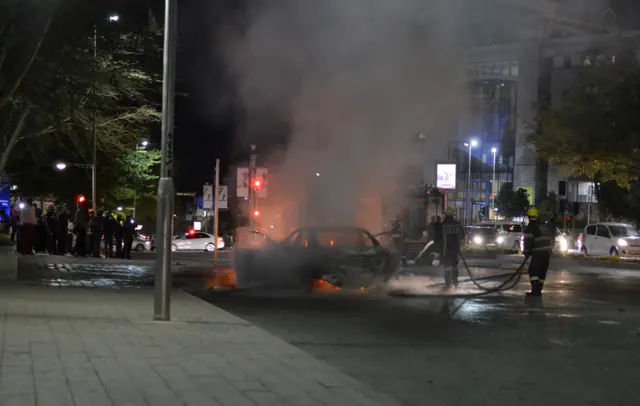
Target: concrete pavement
{"points": [[98, 347]]}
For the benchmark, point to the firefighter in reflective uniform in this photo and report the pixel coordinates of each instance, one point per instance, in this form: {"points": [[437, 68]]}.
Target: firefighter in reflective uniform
{"points": [[538, 244], [450, 239]]}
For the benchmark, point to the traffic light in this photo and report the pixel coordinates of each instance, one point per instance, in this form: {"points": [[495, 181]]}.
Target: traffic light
{"points": [[81, 199], [256, 213], [576, 208], [483, 211], [257, 184]]}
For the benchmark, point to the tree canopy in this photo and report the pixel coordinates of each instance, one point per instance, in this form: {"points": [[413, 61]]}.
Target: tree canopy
{"points": [[512, 203], [594, 131], [65, 69]]}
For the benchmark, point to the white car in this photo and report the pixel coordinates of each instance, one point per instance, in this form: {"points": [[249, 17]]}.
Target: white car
{"points": [[509, 233], [614, 239], [197, 241]]}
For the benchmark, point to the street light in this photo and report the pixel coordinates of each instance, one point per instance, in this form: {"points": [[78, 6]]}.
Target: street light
{"points": [[114, 18], [144, 143], [61, 166], [471, 144], [119, 208], [494, 150]]}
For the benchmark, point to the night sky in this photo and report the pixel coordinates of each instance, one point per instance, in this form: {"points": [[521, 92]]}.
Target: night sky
{"points": [[209, 115]]}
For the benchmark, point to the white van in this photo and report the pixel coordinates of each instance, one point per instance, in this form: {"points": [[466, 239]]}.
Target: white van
{"points": [[615, 239], [509, 233]]}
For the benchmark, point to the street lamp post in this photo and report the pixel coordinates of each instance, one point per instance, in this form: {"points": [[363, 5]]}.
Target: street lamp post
{"points": [[164, 226], [471, 144], [61, 166], [494, 150]]}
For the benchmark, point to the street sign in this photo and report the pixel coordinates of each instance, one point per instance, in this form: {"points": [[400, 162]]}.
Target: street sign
{"points": [[446, 176], [263, 175], [207, 197], [5, 196], [242, 182], [223, 195]]}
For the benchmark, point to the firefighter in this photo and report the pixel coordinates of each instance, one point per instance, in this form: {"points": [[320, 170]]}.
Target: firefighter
{"points": [[538, 244], [449, 238]]}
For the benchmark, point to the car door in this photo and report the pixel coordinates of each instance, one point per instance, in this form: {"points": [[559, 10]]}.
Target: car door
{"points": [[589, 239], [199, 242], [603, 238]]}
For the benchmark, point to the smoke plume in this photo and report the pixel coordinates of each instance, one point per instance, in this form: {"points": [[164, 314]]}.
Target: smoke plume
{"points": [[356, 81]]}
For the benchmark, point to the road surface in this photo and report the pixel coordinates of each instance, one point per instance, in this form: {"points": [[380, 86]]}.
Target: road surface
{"points": [[580, 345]]}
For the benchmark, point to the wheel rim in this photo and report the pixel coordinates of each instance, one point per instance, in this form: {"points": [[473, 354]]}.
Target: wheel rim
{"points": [[174, 248], [209, 247], [614, 253]]}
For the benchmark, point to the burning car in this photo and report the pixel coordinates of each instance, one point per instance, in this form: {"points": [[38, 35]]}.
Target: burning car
{"points": [[345, 257]]}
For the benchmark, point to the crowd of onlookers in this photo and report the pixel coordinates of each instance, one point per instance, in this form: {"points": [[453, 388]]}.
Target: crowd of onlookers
{"points": [[58, 232]]}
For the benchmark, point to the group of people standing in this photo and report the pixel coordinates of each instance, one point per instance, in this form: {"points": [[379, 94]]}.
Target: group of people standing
{"points": [[58, 232]]}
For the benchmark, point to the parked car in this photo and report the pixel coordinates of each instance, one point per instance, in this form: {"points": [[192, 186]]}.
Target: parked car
{"points": [[481, 236], [509, 233], [197, 240], [615, 239]]}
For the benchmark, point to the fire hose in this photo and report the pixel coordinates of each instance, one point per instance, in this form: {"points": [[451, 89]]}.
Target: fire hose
{"points": [[511, 282]]}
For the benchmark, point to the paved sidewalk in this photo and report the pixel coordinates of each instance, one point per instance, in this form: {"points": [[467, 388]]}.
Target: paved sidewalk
{"points": [[98, 347]]}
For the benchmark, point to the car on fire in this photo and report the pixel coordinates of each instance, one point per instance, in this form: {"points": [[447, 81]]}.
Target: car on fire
{"points": [[345, 257]]}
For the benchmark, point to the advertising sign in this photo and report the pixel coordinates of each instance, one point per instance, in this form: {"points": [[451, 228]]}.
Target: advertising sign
{"points": [[446, 176], [242, 187]]}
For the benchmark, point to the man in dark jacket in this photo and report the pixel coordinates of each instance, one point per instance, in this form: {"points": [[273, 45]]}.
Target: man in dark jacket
{"points": [[538, 244], [449, 238], [108, 228], [97, 222], [129, 228], [119, 234], [80, 227], [62, 231], [52, 229]]}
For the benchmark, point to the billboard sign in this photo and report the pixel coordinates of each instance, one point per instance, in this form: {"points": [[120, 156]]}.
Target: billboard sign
{"points": [[446, 176]]}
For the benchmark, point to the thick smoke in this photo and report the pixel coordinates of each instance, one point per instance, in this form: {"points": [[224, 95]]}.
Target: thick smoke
{"points": [[357, 81]]}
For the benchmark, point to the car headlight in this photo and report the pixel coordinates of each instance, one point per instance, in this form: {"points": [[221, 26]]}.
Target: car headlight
{"points": [[564, 245], [500, 240], [477, 239], [622, 243]]}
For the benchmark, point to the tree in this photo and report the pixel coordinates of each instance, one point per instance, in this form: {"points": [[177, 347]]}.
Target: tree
{"points": [[135, 175], [512, 203], [594, 132], [66, 91]]}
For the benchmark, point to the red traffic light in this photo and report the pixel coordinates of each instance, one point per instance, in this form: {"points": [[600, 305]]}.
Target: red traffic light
{"points": [[81, 199], [257, 184], [256, 213]]}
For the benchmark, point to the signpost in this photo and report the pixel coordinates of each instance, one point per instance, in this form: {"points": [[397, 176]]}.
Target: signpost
{"points": [[207, 197], [446, 173], [215, 219]]}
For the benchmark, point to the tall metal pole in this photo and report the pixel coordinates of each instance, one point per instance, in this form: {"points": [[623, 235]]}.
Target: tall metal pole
{"points": [[162, 293], [469, 189], [493, 186], [216, 190], [94, 198], [252, 193]]}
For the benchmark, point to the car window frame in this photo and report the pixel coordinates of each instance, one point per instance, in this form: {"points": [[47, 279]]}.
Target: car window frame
{"points": [[605, 228], [595, 229]]}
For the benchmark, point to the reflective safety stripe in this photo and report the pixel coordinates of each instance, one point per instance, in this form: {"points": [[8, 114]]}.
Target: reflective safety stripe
{"points": [[534, 278], [528, 235]]}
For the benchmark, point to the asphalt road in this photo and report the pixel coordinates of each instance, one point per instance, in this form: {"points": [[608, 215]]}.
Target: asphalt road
{"points": [[580, 345]]}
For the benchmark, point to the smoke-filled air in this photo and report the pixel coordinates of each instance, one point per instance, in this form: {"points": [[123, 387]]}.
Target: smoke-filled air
{"points": [[357, 81]]}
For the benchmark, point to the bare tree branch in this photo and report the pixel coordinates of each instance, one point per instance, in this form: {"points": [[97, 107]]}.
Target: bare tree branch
{"points": [[15, 137], [16, 84]]}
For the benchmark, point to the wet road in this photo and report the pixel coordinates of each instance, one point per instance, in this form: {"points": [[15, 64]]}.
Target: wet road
{"points": [[580, 345]]}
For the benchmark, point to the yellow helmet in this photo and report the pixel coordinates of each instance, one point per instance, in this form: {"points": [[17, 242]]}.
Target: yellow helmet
{"points": [[450, 212], [533, 212]]}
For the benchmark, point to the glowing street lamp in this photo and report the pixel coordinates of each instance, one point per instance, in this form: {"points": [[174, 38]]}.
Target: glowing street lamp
{"points": [[119, 208], [114, 18], [144, 143], [471, 144], [61, 166]]}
